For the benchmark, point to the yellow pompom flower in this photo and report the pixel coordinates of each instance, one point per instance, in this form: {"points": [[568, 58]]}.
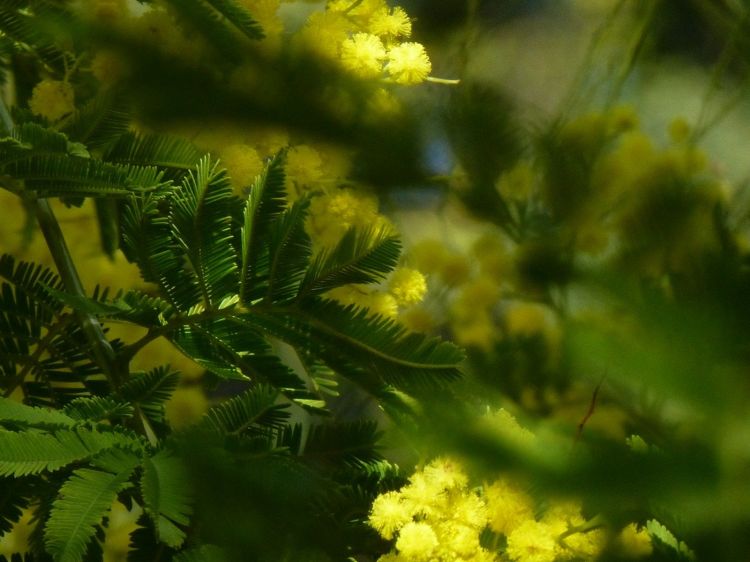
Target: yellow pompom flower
{"points": [[416, 541], [333, 213], [388, 514], [679, 130], [323, 34], [186, 406], [508, 506], [408, 63], [408, 286], [390, 23], [428, 255], [456, 269], [418, 319], [363, 54], [303, 169], [634, 542], [243, 164], [52, 99], [109, 67], [382, 304], [532, 541]]}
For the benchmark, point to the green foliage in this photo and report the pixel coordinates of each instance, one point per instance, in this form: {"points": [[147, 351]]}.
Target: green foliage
{"points": [[237, 287], [84, 500], [166, 493]]}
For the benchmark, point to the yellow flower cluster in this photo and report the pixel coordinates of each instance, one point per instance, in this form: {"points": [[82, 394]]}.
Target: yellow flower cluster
{"points": [[406, 287], [365, 38], [434, 517], [52, 99], [438, 516]]}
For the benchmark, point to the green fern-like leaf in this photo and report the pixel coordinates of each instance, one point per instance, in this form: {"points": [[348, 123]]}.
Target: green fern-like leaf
{"points": [[12, 412], [348, 445], [239, 17], [339, 335], [97, 409], [255, 410], [361, 256], [172, 153], [21, 27], [202, 226], [55, 175], [32, 452], [265, 203], [102, 120], [151, 390], [289, 250], [84, 500], [167, 496], [147, 241]]}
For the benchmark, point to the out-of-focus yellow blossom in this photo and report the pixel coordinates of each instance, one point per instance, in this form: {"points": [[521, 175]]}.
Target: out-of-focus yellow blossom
{"points": [[382, 104], [109, 67], [518, 183], [418, 319], [333, 213], [508, 506], [477, 331], [635, 542], [157, 27], [586, 132], [186, 406], [390, 23], [482, 291], [323, 34], [243, 165], [622, 118], [528, 319], [428, 255], [363, 54], [679, 130], [495, 256], [455, 269], [416, 541], [52, 99], [408, 63], [532, 541], [105, 11], [389, 513], [303, 170], [361, 11], [17, 539], [121, 523], [408, 286]]}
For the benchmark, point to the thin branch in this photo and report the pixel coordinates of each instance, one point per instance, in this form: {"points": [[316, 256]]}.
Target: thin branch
{"points": [[100, 346]]}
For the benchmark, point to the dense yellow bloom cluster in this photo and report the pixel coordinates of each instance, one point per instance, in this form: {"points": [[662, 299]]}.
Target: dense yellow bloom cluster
{"points": [[439, 516], [364, 38], [52, 99], [434, 517]]}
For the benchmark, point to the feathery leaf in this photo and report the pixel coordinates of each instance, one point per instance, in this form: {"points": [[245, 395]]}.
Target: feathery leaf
{"points": [[167, 496], [361, 256], [84, 500], [202, 226]]}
